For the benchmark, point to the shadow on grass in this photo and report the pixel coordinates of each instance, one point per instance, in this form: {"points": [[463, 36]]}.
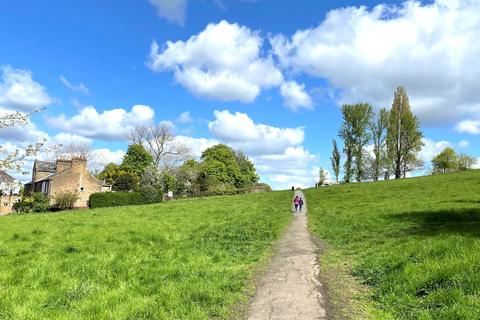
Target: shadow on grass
{"points": [[465, 221]]}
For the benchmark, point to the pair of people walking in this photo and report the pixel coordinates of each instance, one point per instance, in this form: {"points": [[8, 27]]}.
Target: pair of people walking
{"points": [[298, 202]]}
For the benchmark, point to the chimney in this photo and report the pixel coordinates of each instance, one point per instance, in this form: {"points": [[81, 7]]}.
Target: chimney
{"points": [[63, 164], [79, 163]]}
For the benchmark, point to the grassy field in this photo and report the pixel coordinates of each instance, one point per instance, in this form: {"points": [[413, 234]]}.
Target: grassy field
{"points": [[414, 243], [191, 259]]}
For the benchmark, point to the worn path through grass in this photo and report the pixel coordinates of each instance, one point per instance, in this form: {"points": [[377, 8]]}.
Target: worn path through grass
{"points": [[290, 289]]}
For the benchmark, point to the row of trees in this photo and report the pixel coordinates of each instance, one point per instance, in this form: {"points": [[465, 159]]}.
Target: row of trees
{"points": [[448, 161], [376, 145], [152, 160]]}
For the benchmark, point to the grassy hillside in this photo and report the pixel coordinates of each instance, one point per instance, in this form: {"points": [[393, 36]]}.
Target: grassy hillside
{"points": [[188, 259], [414, 242]]}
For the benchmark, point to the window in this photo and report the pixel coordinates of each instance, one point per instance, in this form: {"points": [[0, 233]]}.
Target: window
{"points": [[82, 189], [5, 204]]}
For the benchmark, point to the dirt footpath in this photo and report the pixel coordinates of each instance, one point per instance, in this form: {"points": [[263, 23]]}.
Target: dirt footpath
{"points": [[291, 289]]}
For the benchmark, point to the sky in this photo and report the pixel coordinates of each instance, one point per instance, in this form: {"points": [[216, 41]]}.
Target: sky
{"points": [[266, 77]]}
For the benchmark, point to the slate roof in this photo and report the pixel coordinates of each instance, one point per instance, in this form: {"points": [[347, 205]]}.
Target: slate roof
{"points": [[5, 177], [46, 166]]}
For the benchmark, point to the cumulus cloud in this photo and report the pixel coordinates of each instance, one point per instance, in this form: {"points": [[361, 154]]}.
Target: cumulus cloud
{"points": [[278, 153], [77, 88], [185, 117], [19, 92], [223, 62], [431, 49], [114, 124], [240, 131], [468, 126], [431, 148], [174, 11], [294, 96]]}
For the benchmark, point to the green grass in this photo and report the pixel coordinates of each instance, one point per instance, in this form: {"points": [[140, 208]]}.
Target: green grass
{"points": [[191, 259], [415, 243]]}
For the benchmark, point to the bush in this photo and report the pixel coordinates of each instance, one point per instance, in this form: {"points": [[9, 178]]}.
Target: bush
{"points": [[113, 199], [66, 200], [151, 194], [23, 206], [40, 202]]}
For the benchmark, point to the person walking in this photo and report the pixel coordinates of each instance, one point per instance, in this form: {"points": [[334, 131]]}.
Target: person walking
{"points": [[300, 203], [296, 203]]}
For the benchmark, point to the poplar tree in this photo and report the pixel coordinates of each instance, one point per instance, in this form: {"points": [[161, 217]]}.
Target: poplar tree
{"points": [[404, 138], [378, 130], [335, 160], [354, 132]]}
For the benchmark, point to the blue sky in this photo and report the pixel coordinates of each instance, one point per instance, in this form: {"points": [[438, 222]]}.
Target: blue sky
{"points": [[264, 76]]}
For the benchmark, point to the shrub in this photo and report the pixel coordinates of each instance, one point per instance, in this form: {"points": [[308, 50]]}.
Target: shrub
{"points": [[66, 200], [40, 202], [151, 194], [23, 206], [113, 199]]}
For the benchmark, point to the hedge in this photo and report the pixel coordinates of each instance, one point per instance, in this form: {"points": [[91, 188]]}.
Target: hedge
{"points": [[113, 199]]}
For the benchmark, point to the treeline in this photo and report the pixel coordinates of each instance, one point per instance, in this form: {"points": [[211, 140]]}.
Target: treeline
{"points": [[379, 144], [220, 170], [449, 161]]}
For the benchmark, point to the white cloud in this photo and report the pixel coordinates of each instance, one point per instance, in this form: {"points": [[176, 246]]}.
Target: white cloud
{"points": [[195, 145], [278, 153], [223, 62], [431, 49], [19, 92], [468, 126], [185, 117], [174, 11], [431, 148], [294, 96], [77, 88], [68, 138], [463, 144], [239, 131], [114, 124]]}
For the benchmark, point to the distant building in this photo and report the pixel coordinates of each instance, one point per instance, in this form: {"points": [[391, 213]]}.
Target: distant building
{"points": [[9, 192], [53, 178]]}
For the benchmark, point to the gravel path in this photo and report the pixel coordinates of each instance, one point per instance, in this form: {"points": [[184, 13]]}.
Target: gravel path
{"points": [[290, 289]]}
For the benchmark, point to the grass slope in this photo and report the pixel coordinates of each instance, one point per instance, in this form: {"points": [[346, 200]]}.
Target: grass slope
{"points": [[414, 242], [179, 260]]}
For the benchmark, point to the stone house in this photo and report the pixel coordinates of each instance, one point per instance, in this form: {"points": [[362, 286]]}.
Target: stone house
{"points": [[53, 178], [9, 192]]}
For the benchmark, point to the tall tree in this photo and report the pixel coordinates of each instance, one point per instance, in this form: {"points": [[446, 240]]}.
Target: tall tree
{"points": [[136, 160], [404, 138], [160, 142], [354, 132], [335, 160], [247, 169], [378, 131]]}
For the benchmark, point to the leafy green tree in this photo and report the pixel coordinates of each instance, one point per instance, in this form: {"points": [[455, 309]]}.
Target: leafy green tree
{"points": [[354, 132], [168, 182], [466, 162], [220, 163], [247, 169], [445, 161], [125, 182], [404, 138], [335, 160], [378, 130], [110, 173], [136, 160]]}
